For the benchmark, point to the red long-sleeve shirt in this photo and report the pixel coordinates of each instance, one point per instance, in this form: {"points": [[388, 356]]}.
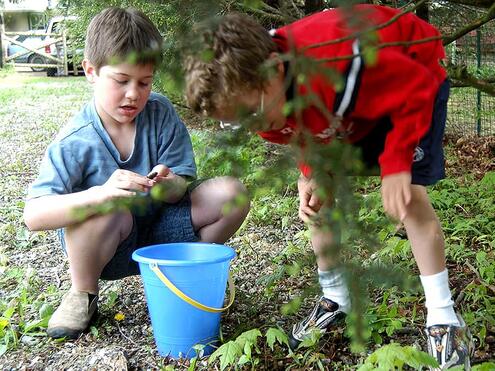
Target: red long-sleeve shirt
{"points": [[401, 85]]}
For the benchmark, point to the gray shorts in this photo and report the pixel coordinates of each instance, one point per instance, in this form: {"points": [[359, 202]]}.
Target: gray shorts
{"points": [[159, 223]]}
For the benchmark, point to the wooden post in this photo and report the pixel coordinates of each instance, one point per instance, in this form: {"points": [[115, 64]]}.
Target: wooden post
{"points": [[1, 39], [66, 63], [478, 92]]}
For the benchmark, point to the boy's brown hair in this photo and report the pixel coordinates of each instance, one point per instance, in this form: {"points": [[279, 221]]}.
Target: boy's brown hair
{"points": [[122, 35], [229, 63]]}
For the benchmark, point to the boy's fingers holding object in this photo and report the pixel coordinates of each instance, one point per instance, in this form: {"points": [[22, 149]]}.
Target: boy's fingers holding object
{"points": [[152, 175]]}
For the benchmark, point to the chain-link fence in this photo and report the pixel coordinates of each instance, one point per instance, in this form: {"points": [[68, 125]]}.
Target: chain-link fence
{"points": [[470, 111]]}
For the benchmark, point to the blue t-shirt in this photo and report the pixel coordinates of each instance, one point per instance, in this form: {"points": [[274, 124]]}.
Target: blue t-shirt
{"points": [[83, 155]]}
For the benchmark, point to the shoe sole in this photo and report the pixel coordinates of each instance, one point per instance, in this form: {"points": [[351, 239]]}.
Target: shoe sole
{"points": [[64, 332]]}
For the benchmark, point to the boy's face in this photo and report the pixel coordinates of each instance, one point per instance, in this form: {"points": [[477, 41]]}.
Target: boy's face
{"points": [[121, 90], [257, 110]]}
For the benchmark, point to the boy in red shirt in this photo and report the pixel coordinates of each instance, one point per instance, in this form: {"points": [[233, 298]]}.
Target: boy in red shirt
{"points": [[393, 110]]}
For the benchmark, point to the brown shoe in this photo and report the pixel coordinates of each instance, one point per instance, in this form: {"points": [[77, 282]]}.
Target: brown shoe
{"points": [[73, 315]]}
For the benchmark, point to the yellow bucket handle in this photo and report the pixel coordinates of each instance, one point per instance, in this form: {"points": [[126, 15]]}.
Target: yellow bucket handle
{"points": [[187, 299]]}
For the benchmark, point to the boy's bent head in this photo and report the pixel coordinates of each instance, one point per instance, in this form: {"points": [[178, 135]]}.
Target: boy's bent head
{"points": [[228, 64], [118, 35]]}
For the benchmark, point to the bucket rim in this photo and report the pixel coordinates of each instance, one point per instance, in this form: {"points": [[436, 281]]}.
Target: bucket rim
{"points": [[138, 257]]}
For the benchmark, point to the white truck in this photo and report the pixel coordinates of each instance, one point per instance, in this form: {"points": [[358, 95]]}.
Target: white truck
{"points": [[56, 26]]}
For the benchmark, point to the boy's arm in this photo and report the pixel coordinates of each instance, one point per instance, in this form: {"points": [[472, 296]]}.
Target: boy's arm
{"points": [[175, 148], [57, 210], [396, 194]]}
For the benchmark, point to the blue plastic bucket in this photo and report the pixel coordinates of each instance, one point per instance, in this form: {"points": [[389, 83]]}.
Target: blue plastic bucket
{"points": [[196, 271]]}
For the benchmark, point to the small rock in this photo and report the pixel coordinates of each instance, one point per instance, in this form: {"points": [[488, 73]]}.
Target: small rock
{"points": [[109, 358], [29, 340]]}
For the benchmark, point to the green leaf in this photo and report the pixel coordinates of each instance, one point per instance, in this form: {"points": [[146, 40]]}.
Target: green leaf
{"points": [[46, 311], [228, 353], [253, 4], [243, 360], [94, 331], [207, 55], [32, 325], [250, 336], [3, 323], [370, 55], [486, 366], [7, 314], [489, 179], [247, 349], [3, 349], [292, 306], [394, 356], [192, 364], [275, 334], [312, 340]]}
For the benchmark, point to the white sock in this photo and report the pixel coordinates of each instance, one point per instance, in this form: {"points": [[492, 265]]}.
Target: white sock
{"points": [[334, 288], [439, 301]]}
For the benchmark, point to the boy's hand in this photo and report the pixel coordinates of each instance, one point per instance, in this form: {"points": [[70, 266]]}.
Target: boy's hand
{"points": [[158, 172], [173, 186], [124, 183], [309, 202], [396, 194]]}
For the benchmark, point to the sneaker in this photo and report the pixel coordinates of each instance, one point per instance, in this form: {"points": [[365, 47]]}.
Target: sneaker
{"points": [[325, 315], [450, 345], [73, 315]]}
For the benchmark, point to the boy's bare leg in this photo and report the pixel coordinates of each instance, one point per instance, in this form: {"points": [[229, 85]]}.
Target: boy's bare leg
{"points": [[428, 246], [425, 233], [330, 276], [321, 241], [91, 245], [214, 212]]}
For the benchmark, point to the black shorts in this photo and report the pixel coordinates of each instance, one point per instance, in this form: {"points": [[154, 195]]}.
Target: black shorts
{"points": [[428, 163], [157, 224]]}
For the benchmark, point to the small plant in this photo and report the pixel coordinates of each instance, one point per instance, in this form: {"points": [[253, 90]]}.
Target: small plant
{"points": [[385, 319], [25, 311], [394, 357], [239, 352]]}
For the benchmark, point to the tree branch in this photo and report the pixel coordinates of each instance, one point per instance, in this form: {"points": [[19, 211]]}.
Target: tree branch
{"points": [[362, 32], [461, 84], [476, 24], [271, 13], [461, 74], [476, 3], [381, 46]]}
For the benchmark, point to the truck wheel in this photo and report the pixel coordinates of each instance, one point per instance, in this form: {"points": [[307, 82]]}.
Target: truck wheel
{"points": [[37, 59]]}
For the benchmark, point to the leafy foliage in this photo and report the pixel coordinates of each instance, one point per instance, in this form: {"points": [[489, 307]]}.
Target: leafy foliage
{"points": [[394, 357]]}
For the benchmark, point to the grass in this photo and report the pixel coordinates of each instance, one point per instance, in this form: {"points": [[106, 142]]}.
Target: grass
{"points": [[273, 253]]}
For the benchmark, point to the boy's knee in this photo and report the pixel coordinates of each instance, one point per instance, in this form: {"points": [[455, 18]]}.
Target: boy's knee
{"points": [[103, 226], [234, 190], [233, 187]]}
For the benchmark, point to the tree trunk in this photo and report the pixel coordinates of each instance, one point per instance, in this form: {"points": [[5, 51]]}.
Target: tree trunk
{"points": [[423, 11], [311, 6]]}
